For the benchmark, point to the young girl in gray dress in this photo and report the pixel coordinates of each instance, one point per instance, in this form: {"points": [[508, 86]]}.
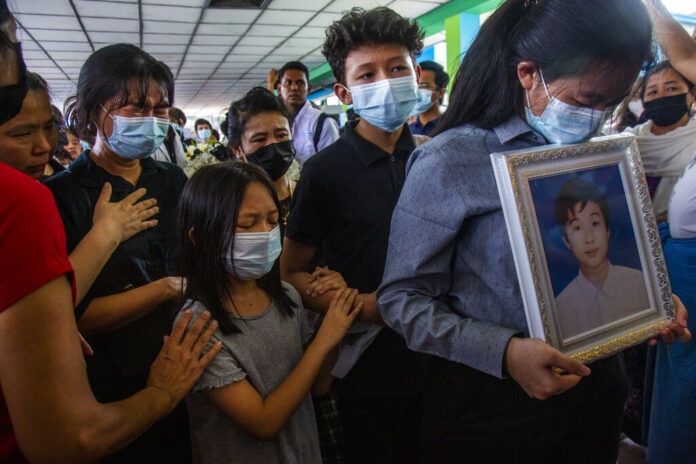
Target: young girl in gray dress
{"points": [[252, 404]]}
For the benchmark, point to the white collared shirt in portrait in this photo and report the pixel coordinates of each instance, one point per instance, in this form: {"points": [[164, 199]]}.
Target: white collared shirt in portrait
{"points": [[582, 307]]}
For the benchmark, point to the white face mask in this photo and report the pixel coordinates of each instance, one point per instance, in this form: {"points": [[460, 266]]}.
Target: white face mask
{"points": [[564, 123], [253, 254]]}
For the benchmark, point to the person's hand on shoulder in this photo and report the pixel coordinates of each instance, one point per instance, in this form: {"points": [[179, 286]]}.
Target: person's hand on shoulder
{"points": [[182, 360]]}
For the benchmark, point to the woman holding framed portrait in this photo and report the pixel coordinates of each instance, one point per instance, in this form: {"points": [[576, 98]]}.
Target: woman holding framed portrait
{"points": [[538, 72]]}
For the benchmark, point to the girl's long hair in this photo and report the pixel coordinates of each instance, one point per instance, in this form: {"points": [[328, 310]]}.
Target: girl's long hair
{"points": [[564, 38], [209, 207]]}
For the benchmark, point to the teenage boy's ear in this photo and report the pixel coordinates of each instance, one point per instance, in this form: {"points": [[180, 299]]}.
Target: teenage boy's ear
{"points": [[190, 236], [343, 94]]}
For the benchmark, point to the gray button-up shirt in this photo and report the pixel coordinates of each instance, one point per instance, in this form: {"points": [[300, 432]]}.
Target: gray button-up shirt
{"points": [[450, 286]]}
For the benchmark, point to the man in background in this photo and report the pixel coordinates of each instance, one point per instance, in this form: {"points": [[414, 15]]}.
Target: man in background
{"points": [[312, 130], [431, 90]]}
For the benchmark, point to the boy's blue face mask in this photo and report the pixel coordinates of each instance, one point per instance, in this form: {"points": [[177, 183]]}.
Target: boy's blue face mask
{"points": [[386, 104], [136, 138], [564, 123]]}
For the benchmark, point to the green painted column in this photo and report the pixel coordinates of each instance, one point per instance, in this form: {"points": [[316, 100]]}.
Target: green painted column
{"points": [[460, 31]]}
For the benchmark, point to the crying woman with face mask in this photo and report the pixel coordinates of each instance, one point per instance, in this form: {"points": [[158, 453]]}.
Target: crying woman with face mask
{"points": [[258, 130], [667, 140]]}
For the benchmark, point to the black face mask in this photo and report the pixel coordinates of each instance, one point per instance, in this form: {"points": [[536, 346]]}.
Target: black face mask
{"points": [[666, 111], [275, 158], [12, 96]]}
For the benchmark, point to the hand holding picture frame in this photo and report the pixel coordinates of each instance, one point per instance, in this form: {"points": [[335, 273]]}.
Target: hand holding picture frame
{"points": [[586, 246]]}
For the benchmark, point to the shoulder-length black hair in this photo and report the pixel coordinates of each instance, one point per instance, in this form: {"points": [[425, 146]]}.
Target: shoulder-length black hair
{"points": [[563, 38], [209, 207], [115, 71], [256, 101]]}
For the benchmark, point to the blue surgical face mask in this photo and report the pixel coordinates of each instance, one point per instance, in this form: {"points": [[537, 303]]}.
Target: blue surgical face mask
{"points": [[204, 134], [177, 128], [564, 123], [136, 138], [386, 104], [425, 97], [253, 254]]}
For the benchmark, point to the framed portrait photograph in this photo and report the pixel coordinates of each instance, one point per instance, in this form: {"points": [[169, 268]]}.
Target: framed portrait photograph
{"points": [[586, 245]]}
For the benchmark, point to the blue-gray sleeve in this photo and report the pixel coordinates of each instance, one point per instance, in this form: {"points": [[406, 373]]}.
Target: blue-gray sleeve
{"points": [[413, 299]]}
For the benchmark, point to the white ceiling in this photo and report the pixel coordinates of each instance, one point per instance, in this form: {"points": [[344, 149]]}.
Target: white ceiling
{"points": [[216, 55]]}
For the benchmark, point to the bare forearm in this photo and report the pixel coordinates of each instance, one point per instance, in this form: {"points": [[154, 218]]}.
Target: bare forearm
{"points": [[112, 426], [674, 40], [282, 403], [88, 258], [111, 312], [369, 312]]}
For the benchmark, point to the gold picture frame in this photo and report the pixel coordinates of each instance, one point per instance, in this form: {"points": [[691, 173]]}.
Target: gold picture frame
{"points": [[528, 181]]}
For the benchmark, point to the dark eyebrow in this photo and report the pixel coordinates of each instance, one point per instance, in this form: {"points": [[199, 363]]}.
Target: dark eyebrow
{"points": [[26, 127], [258, 133], [669, 82]]}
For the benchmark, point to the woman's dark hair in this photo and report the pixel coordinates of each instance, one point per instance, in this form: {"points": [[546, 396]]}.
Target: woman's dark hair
{"points": [[177, 114], [209, 207], [562, 37], [36, 82], [658, 68], [257, 100], [120, 71], [377, 26]]}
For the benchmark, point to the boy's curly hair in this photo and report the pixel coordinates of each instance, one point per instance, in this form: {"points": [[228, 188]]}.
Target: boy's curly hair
{"points": [[377, 26]]}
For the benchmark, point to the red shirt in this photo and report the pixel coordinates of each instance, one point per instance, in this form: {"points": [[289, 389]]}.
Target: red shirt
{"points": [[32, 253]]}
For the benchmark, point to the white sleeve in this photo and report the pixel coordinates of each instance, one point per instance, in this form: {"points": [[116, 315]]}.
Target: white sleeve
{"points": [[329, 134]]}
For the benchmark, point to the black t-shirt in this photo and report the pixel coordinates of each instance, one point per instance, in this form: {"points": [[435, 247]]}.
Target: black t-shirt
{"points": [[145, 257], [344, 201], [346, 196]]}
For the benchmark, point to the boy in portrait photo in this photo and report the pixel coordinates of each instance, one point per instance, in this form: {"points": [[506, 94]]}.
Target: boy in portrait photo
{"points": [[602, 292]]}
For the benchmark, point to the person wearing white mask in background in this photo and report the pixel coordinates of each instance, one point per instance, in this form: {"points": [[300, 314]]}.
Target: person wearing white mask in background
{"points": [[120, 105], [343, 204], [431, 90], [204, 131], [667, 140]]}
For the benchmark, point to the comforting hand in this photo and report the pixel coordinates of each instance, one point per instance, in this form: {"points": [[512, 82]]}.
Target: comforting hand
{"points": [[530, 363], [181, 360], [324, 280], [678, 327], [123, 219], [342, 312]]}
